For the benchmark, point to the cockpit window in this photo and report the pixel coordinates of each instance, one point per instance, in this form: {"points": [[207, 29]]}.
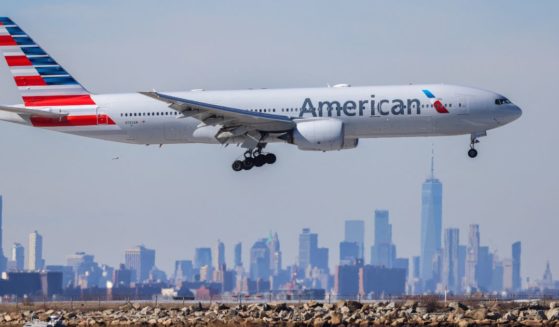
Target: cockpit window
{"points": [[501, 101]]}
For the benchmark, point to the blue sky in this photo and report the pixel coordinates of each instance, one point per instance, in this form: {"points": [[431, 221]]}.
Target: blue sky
{"points": [[182, 196]]}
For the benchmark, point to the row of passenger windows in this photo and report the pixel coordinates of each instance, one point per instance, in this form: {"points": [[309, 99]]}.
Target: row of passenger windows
{"points": [[175, 113], [136, 114], [449, 105]]}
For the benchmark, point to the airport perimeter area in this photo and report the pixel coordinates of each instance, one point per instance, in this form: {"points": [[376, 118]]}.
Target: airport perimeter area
{"points": [[423, 312]]}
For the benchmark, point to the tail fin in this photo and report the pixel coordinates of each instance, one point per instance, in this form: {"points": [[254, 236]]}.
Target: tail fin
{"points": [[41, 81]]}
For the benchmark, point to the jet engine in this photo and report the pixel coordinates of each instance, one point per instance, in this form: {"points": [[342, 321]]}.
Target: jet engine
{"points": [[322, 135]]}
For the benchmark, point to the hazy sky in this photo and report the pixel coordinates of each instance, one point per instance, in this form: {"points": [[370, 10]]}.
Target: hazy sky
{"points": [[183, 196]]}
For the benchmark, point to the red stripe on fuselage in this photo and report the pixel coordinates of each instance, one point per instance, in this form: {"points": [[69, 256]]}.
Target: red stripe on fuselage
{"points": [[29, 81], [69, 121], [6, 40], [58, 100], [18, 61]]}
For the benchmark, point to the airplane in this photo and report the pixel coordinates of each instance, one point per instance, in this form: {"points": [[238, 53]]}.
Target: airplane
{"points": [[313, 119]]}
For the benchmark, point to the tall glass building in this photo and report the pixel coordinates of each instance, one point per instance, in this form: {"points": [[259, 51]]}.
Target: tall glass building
{"points": [[383, 252], [260, 260], [431, 223], [355, 233], [516, 280]]}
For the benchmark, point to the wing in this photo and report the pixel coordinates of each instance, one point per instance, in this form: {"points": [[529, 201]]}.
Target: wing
{"points": [[238, 125], [47, 113]]}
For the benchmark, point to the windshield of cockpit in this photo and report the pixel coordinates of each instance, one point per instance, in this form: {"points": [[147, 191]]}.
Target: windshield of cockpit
{"points": [[501, 101]]}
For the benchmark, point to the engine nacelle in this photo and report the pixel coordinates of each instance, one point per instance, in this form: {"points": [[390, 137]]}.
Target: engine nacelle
{"points": [[321, 135]]}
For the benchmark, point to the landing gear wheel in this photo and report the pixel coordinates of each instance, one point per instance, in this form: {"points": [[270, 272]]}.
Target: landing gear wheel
{"points": [[270, 158], [248, 163], [472, 153], [237, 165], [259, 161]]}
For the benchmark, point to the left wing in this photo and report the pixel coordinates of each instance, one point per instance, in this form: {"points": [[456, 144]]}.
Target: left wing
{"points": [[238, 126], [212, 114]]}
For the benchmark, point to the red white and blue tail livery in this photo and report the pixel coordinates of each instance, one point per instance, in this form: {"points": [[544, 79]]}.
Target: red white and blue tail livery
{"points": [[314, 119]]}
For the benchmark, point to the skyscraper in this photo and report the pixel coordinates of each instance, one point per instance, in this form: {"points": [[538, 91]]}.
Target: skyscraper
{"points": [[355, 232], [35, 260], [516, 280], [275, 254], [507, 275], [450, 269], [184, 271], [349, 253], [220, 250], [18, 256], [308, 244], [141, 261], [260, 260], [238, 255], [484, 269], [202, 257], [383, 252], [431, 223], [3, 259], [85, 270], [472, 257]]}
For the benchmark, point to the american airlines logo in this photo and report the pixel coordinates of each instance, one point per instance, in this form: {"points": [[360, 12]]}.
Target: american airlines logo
{"points": [[369, 107]]}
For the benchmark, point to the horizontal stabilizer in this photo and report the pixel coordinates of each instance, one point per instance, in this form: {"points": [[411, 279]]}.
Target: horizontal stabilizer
{"points": [[49, 113]]}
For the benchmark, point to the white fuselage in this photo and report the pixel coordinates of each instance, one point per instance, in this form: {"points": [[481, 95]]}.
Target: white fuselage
{"points": [[366, 112]]}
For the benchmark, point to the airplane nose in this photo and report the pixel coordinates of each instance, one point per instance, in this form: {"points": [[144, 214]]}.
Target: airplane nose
{"points": [[507, 114]]}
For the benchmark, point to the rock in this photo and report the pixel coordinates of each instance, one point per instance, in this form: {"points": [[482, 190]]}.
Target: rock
{"points": [[534, 323], [493, 315], [335, 318], [311, 305], [553, 305], [535, 315], [509, 316], [458, 306], [353, 305], [410, 304], [463, 323], [7, 318], [421, 310], [136, 306], [390, 305], [477, 314], [552, 314]]}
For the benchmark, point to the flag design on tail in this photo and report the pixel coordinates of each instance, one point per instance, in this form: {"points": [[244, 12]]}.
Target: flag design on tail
{"points": [[41, 81]]}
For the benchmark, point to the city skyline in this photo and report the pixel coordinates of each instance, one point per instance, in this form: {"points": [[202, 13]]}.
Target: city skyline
{"points": [[176, 198]]}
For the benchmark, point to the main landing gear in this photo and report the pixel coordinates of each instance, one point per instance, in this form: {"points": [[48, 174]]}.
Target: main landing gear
{"points": [[472, 153], [254, 158]]}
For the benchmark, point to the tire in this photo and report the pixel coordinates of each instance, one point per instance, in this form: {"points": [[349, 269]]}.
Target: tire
{"points": [[270, 158], [248, 163], [259, 161], [472, 153], [237, 165]]}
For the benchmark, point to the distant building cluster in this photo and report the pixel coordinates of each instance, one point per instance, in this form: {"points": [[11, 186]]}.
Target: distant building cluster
{"points": [[445, 265]]}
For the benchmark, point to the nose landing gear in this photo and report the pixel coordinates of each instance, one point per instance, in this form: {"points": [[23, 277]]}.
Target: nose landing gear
{"points": [[254, 158], [472, 153]]}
